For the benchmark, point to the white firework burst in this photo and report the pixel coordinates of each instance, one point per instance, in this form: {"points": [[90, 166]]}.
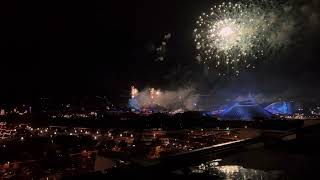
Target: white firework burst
{"points": [[233, 36]]}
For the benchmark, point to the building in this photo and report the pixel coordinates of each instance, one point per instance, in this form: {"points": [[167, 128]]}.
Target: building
{"points": [[280, 108], [246, 110]]}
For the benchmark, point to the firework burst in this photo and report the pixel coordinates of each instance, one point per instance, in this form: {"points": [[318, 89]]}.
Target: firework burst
{"points": [[134, 92], [234, 36]]}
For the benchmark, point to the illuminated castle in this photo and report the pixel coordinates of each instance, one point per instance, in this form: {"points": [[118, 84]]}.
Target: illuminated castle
{"points": [[133, 103]]}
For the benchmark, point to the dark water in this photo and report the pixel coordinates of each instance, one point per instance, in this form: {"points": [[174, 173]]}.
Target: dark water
{"points": [[296, 159]]}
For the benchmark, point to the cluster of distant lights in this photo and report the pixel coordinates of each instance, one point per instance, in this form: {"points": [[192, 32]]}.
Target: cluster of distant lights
{"points": [[6, 132], [97, 135], [71, 132], [77, 115], [15, 111], [75, 132]]}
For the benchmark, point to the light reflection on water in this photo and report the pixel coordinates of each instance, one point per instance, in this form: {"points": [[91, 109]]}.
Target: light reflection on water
{"points": [[239, 172], [231, 172]]}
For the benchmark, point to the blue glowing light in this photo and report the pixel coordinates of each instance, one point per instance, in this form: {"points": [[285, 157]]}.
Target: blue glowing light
{"points": [[133, 104], [280, 108], [244, 110]]}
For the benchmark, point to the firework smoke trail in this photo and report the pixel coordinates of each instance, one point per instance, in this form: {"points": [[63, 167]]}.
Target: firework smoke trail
{"points": [[234, 36]]}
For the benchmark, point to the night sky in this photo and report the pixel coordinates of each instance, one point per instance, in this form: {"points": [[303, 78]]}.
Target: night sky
{"points": [[63, 48]]}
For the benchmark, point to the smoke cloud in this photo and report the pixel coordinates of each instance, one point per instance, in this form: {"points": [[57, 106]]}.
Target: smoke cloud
{"points": [[184, 98]]}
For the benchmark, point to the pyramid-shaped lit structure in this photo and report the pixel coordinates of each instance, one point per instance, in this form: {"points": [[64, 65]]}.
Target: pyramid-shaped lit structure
{"points": [[280, 108], [245, 110]]}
